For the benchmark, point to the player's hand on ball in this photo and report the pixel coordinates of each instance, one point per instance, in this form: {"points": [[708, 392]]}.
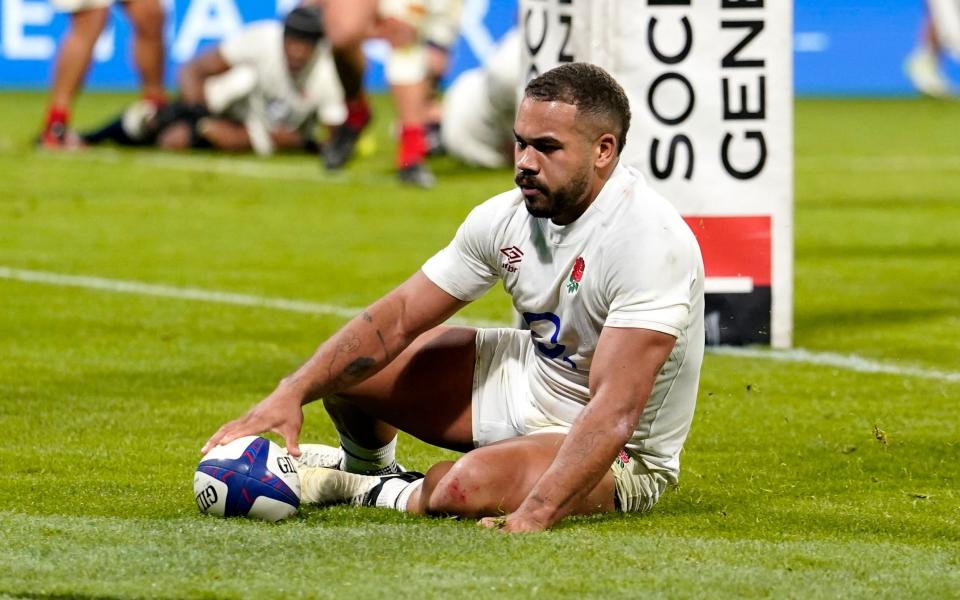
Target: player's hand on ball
{"points": [[281, 412]]}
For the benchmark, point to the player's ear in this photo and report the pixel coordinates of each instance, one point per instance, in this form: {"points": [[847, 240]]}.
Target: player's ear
{"points": [[606, 150]]}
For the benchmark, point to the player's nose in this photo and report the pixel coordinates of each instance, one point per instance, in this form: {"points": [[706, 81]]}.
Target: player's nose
{"points": [[525, 161]]}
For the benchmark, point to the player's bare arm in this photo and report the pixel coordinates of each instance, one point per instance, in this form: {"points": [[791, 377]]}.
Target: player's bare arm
{"points": [[198, 70], [357, 351], [624, 370]]}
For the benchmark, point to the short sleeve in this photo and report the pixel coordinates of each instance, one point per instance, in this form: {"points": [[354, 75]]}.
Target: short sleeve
{"points": [[466, 269], [247, 46], [651, 284]]}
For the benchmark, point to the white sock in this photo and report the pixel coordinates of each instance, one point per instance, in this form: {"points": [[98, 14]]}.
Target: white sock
{"points": [[357, 459]]}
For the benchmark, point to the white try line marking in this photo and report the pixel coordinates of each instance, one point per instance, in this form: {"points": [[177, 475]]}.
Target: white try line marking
{"points": [[799, 355], [311, 171], [197, 294]]}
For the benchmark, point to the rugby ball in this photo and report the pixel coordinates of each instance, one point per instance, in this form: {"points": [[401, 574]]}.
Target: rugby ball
{"points": [[249, 477]]}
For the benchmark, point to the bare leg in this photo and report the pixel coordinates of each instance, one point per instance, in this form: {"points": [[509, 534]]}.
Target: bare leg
{"points": [[426, 391], [495, 479], [75, 54], [347, 23], [147, 18]]}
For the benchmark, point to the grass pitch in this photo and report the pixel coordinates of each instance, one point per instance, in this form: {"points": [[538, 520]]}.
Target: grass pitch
{"points": [[799, 479]]}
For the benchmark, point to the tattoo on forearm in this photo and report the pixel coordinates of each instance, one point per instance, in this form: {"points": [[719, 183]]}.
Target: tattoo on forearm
{"points": [[359, 366], [383, 343], [350, 344]]}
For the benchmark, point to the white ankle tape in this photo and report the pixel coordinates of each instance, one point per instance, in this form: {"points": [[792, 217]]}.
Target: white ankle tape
{"points": [[395, 493]]}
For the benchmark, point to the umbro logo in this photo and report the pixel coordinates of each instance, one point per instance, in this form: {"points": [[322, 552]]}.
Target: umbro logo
{"points": [[512, 256]]}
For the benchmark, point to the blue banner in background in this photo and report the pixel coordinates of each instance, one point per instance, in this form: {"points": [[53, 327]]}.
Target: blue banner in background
{"points": [[841, 47], [30, 30]]}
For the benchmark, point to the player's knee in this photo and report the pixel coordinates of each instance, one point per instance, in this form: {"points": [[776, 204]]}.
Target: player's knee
{"points": [[464, 490], [89, 23], [148, 19]]}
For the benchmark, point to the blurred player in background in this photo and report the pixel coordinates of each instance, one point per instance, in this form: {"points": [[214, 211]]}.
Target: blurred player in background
{"points": [[939, 37], [87, 21], [410, 27], [479, 108], [585, 412], [264, 89]]}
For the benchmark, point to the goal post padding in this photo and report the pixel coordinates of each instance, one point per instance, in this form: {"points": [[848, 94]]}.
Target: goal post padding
{"points": [[711, 91]]}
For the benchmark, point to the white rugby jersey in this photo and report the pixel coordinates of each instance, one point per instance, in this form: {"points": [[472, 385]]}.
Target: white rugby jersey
{"points": [[277, 98], [628, 261]]}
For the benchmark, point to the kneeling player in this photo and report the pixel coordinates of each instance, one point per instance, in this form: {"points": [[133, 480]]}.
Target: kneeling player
{"points": [[587, 411], [264, 90]]}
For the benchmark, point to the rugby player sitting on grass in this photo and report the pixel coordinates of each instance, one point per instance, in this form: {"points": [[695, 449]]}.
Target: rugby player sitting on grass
{"points": [[264, 90], [584, 413]]}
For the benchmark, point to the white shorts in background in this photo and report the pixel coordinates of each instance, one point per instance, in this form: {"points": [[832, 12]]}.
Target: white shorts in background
{"points": [[503, 409], [72, 6], [946, 20]]}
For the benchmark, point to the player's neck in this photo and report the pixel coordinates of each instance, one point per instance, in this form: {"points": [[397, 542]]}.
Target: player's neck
{"points": [[597, 181]]}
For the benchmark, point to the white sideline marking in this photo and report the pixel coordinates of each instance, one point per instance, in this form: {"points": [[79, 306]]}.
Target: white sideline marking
{"points": [[872, 164], [197, 294], [849, 362]]}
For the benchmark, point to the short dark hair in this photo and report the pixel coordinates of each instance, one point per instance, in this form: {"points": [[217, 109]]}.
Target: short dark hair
{"points": [[305, 23], [588, 87]]}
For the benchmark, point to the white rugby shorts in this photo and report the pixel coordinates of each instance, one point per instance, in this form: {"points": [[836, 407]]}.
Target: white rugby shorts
{"points": [[502, 408]]}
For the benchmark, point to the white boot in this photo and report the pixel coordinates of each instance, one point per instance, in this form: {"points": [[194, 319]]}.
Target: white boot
{"points": [[923, 69]]}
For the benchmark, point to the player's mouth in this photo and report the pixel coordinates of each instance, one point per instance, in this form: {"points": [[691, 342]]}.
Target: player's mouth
{"points": [[528, 188]]}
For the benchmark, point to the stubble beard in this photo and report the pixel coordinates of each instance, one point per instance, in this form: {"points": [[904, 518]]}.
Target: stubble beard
{"points": [[557, 202]]}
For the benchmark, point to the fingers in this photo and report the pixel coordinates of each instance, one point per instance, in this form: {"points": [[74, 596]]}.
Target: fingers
{"points": [[492, 522], [229, 432], [279, 412], [214, 440], [291, 439], [511, 524]]}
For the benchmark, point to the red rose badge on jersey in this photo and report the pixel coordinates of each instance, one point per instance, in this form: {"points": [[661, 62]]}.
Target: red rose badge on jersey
{"points": [[573, 284]]}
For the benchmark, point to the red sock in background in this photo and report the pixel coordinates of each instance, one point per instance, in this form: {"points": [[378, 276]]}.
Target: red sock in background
{"points": [[158, 100], [57, 116], [358, 113], [413, 145]]}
